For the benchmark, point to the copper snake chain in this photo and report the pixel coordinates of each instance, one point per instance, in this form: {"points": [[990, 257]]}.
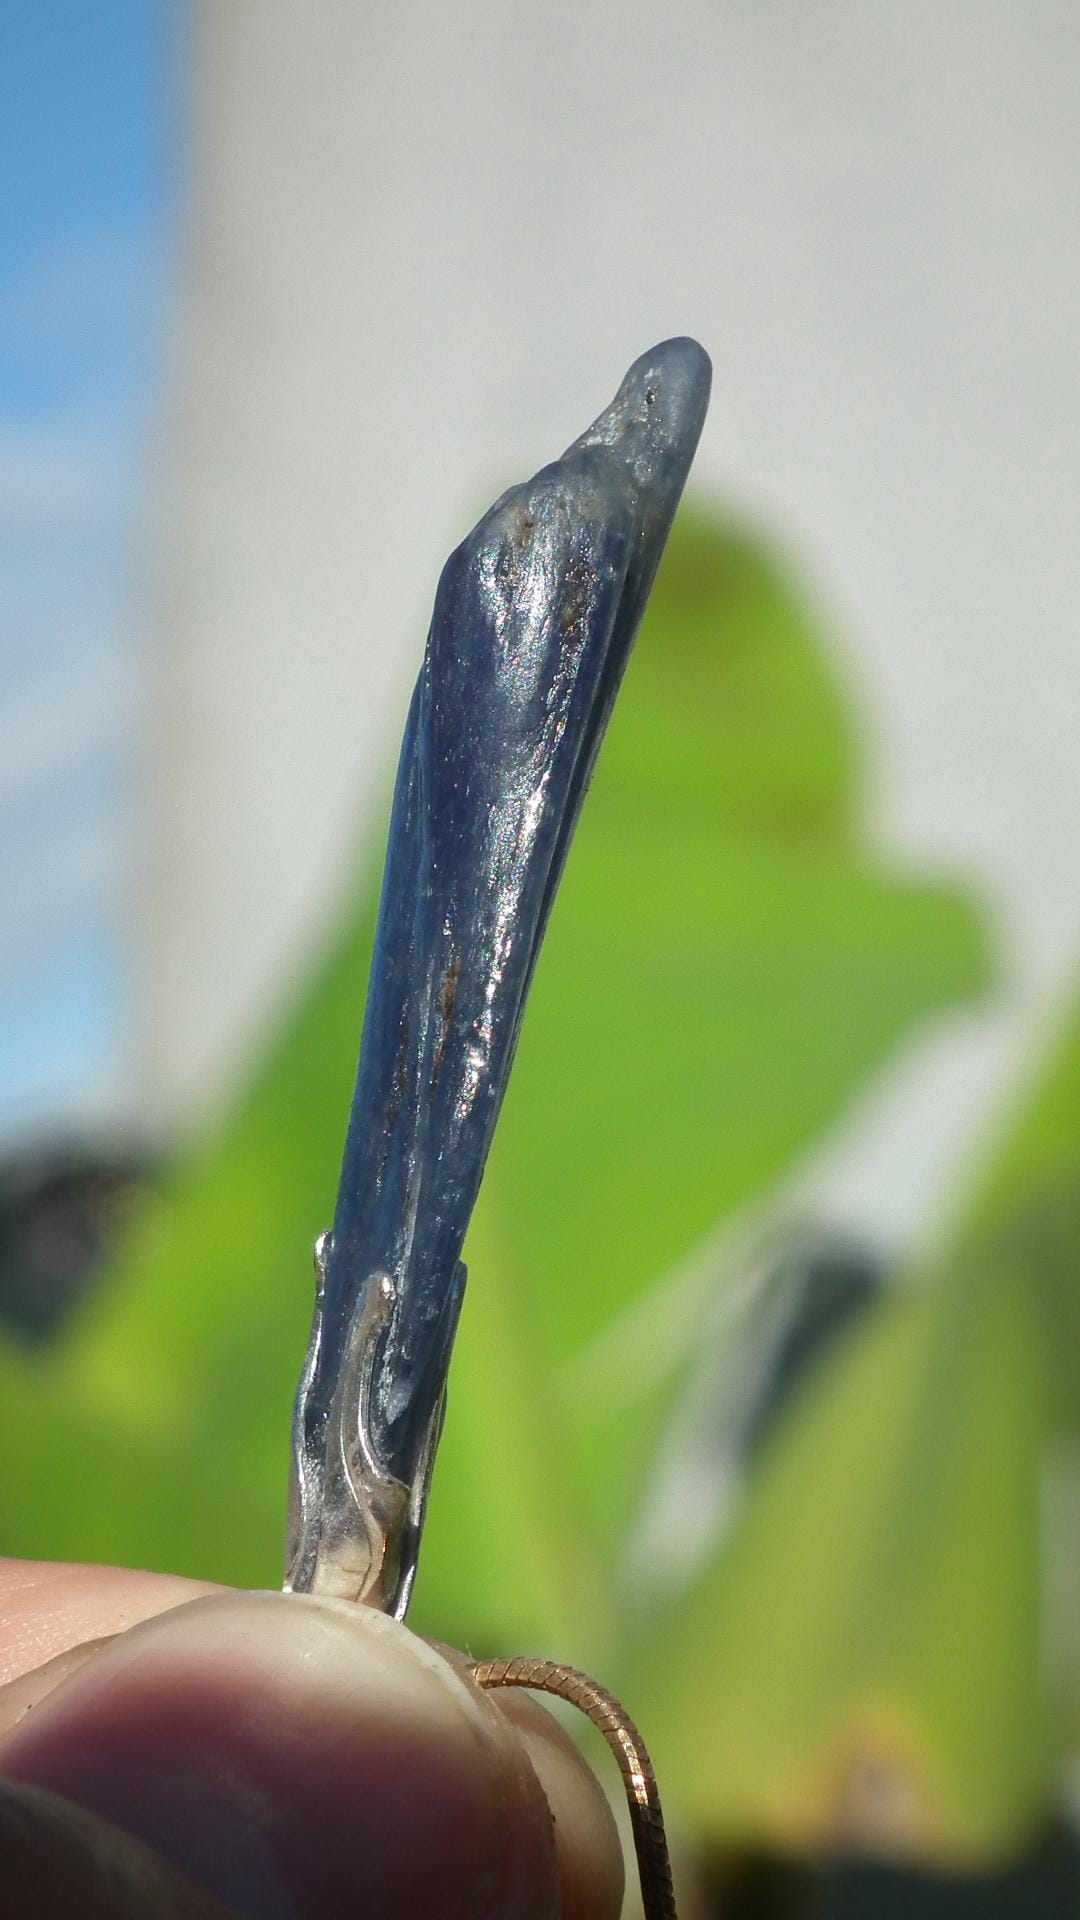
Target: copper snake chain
{"points": [[626, 1743]]}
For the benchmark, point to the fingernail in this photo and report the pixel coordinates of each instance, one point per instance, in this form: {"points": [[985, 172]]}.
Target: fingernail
{"points": [[299, 1756]]}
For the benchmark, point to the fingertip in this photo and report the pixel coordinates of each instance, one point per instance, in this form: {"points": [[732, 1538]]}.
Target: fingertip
{"points": [[301, 1757]]}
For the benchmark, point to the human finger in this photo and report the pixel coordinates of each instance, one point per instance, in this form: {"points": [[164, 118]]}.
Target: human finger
{"points": [[303, 1756], [48, 1607]]}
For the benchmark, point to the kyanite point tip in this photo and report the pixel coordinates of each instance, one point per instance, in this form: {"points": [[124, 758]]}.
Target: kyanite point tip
{"points": [[655, 419]]}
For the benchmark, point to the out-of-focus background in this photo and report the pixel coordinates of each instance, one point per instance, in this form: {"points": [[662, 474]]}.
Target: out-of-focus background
{"points": [[767, 1403]]}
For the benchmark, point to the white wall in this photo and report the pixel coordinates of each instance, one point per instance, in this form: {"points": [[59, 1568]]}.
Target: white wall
{"points": [[425, 241]]}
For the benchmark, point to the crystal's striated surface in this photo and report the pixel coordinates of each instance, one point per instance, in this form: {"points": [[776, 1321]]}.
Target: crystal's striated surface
{"points": [[534, 618]]}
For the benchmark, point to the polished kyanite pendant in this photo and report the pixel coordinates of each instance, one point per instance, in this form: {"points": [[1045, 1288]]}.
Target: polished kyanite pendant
{"points": [[534, 618]]}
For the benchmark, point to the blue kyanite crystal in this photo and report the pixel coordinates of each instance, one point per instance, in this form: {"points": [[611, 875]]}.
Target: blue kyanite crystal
{"points": [[534, 618]]}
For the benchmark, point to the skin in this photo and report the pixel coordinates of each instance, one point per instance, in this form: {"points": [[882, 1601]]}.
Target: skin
{"points": [[169, 1749]]}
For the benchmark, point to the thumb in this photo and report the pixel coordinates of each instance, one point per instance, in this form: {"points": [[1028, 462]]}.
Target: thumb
{"points": [[300, 1756]]}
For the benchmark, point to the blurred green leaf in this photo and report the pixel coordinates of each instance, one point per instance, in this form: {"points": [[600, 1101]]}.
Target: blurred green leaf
{"points": [[1035, 1164], [725, 966], [884, 1649], [860, 1663], [1025, 1229], [1026, 1223]]}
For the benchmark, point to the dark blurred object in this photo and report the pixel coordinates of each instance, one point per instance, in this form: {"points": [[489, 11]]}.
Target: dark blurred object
{"points": [[1044, 1885], [821, 1286], [62, 1212], [787, 1300]]}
